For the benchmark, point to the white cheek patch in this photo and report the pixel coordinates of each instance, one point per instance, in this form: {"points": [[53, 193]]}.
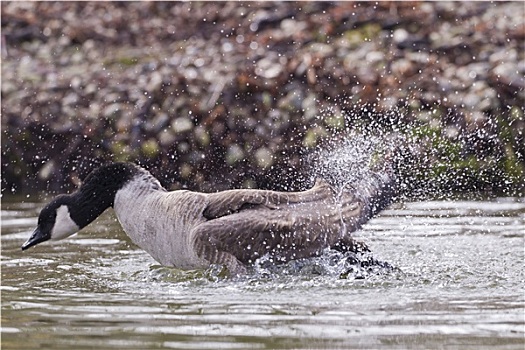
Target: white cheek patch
{"points": [[64, 225]]}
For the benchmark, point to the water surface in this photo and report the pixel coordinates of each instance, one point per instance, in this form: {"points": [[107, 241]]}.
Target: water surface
{"points": [[459, 282]]}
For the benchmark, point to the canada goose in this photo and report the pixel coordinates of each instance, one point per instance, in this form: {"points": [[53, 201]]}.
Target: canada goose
{"points": [[191, 230]]}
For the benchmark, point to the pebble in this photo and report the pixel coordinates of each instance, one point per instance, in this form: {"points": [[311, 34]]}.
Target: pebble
{"points": [[268, 68], [112, 110], [264, 157], [182, 124], [235, 153]]}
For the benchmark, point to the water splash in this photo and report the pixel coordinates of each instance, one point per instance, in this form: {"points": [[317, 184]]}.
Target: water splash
{"points": [[349, 160], [438, 155], [359, 163], [330, 263]]}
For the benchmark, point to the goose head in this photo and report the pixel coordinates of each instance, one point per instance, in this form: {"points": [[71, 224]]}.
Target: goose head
{"points": [[54, 222], [68, 213]]}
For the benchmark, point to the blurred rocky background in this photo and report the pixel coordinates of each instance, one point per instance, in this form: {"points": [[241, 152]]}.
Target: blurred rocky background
{"points": [[215, 95]]}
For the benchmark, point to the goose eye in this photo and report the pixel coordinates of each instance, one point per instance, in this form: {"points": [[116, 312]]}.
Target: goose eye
{"points": [[46, 220]]}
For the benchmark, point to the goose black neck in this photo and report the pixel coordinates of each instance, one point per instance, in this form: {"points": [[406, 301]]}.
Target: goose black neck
{"points": [[98, 191]]}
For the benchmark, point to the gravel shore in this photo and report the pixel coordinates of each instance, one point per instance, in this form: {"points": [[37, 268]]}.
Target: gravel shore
{"points": [[211, 96]]}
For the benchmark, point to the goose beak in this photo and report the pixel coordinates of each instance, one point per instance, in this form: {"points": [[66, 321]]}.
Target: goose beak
{"points": [[37, 237]]}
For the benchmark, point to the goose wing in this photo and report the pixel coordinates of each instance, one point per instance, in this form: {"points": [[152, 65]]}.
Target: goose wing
{"points": [[248, 224], [289, 232], [228, 202]]}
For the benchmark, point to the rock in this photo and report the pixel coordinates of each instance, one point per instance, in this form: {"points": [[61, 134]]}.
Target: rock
{"points": [[47, 171], [150, 148], [166, 138], [182, 124], [235, 153], [268, 68], [202, 136], [264, 157], [509, 74], [112, 111]]}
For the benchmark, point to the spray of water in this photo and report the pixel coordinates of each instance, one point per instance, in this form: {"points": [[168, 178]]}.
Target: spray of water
{"points": [[357, 163], [350, 160]]}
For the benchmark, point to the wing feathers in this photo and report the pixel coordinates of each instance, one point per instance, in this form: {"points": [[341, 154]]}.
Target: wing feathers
{"points": [[248, 224]]}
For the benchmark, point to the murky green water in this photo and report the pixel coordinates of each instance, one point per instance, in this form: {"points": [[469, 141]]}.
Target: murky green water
{"points": [[461, 285]]}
